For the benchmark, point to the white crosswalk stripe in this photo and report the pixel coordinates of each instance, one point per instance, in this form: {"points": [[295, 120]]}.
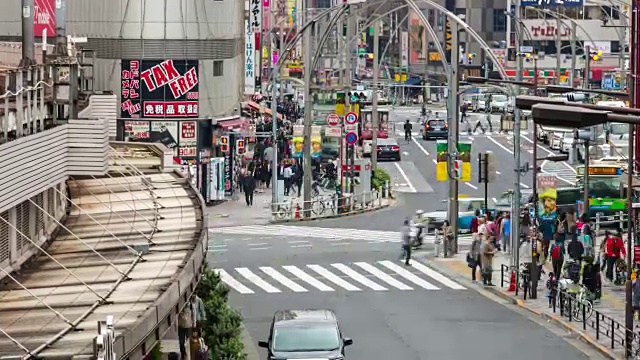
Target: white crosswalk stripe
{"points": [[371, 236], [370, 276], [566, 174]]}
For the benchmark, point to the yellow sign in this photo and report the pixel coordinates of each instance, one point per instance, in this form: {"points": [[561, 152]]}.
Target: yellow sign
{"points": [[601, 171], [265, 52], [449, 36], [435, 56]]}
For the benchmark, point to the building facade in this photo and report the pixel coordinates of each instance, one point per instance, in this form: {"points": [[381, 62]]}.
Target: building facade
{"points": [[207, 32]]}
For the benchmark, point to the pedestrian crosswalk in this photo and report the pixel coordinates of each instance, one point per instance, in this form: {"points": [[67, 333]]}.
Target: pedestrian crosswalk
{"points": [[371, 236], [382, 275], [565, 174]]}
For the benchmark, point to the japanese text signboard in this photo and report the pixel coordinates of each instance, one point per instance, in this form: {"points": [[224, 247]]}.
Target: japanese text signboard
{"points": [[255, 15], [249, 60], [159, 88]]}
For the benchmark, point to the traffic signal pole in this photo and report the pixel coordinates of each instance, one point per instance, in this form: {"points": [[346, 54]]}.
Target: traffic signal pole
{"points": [[308, 110], [452, 148], [374, 105]]}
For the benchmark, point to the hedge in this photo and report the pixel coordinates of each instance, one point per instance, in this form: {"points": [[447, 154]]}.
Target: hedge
{"points": [[222, 331], [379, 178]]}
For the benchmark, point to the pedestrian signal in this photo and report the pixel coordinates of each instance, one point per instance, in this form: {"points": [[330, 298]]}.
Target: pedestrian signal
{"points": [[240, 147], [457, 169], [224, 144]]}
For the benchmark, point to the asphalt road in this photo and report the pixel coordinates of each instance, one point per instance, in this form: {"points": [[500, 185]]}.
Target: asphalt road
{"points": [[391, 311]]}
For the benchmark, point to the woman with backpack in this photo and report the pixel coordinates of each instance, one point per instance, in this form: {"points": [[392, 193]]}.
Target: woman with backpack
{"points": [[557, 258]]}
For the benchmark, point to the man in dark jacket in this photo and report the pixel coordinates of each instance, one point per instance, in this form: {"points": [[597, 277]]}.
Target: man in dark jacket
{"points": [[248, 187], [575, 248]]}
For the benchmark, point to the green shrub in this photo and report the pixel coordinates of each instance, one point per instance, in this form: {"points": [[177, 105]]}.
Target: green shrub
{"points": [[379, 178], [222, 331]]}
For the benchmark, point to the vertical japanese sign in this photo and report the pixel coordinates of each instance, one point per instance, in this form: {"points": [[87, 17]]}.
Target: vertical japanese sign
{"points": [[188, 139], [44, 18], [159, 88], [255, 15], [404, 48], [249, 57], [464, 154]]}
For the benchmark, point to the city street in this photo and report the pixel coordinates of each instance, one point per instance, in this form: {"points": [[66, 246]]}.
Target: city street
{"points": [[391, 311]]}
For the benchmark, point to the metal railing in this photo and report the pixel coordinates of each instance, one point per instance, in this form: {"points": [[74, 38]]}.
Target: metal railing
{"points": [[327, 206], [609, 222]]}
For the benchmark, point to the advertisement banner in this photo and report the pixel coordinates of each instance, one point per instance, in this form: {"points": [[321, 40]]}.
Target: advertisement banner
{"points": [[547, 195], [464, 153], [44, 18], [417, 39], [159, 88], [188, 139], [298, 141], [249, 63], [404, 48], [255, 15], [228, 167]]}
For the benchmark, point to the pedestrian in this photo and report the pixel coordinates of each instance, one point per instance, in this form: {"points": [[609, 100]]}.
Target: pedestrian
{"points": [[267, 173], [488, 251], [557, 258], [575, 249], [298, 176], [248, 187], [473, 258], [448, 238], [505, 232], [614, 248], [287, 173], [474, 225], [405, 234], [552, 289]]}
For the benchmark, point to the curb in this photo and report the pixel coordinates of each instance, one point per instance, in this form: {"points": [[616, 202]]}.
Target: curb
{"points": [[356, 212], [558, 322], [555, 319]]}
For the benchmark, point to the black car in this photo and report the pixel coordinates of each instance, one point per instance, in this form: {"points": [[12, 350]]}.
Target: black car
{"points": [[388, 149], [305, 334], [435, 129]]}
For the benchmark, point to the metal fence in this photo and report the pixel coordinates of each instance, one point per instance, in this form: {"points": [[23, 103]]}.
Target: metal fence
{"points": [[327, 206]]}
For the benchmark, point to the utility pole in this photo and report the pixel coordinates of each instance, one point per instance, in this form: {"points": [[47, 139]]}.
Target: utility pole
{"points": [[308, 109], [427, 82], [374, 105], [558, 48], [452, 142], [281, 53], [27, 33], [587, 70], [61, 29], [574, 43], [515, 204], [274, 108]]}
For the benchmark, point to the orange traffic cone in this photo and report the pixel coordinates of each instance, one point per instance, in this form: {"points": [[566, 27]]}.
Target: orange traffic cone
{"points": [[512, 282], [297, 211]]}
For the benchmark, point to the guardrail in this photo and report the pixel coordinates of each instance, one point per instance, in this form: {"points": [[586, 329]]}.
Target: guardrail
{"points": [[610, 221], [328, 206]]}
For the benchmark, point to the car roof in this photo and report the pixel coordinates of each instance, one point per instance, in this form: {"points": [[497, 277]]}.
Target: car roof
{"points": [[297, 317]]}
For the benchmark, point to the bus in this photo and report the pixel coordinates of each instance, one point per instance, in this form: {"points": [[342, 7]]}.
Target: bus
{"points": [[366, 132], [605, 194]]}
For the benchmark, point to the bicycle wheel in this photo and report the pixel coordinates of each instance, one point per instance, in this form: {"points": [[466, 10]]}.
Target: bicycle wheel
{"points": [[317, 208], [281, 212]]}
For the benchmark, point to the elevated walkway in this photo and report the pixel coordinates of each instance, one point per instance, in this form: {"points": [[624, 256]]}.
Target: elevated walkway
{"points": [[132, 246]]}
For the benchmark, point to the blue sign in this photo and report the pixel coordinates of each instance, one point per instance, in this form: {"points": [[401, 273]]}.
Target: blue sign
{"points": [[552, 2], [351, 138], [610, 82]]}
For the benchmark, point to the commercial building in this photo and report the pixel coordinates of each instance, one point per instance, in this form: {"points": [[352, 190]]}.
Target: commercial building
{"points": [[206, 36]]}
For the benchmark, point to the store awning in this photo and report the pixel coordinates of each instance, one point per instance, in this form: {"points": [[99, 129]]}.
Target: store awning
{"points": [[232, 123], [412, 81], [254, 106]]}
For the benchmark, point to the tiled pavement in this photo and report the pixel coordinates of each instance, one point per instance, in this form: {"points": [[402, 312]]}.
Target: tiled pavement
{"points": [[612, 304]]}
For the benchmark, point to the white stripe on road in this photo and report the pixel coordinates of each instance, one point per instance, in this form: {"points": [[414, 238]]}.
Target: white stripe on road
{"points": [[436, 276], [358, 277], [404, 175], [420, 146], [277, 276], [333, 277], [249, 275], [408, 275], [307, 278], [500, 145], [471, 186], [382, 276], [233, 283]]}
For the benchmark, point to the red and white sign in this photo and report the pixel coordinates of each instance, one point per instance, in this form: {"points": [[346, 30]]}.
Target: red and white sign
{"points": [[333, 131], [188, 139], [333, 120], [44, 18], [351, 118], [166, 73], [170, 109]]}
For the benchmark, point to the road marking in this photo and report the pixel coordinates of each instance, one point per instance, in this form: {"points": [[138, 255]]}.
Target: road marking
{"points": [[494, 200], [301, 246], [405, 153], [217, 246], [420, 146], [500, 145], [359, 278], [277, 276], [382, 276], [298, 242], [525, 186], [249, 275], [333, 278], [233, 283], [471, 186], [434, 161], [259, 244], [408, 275], [498, 172], [404, 175], [436, 276], [307, 278]]}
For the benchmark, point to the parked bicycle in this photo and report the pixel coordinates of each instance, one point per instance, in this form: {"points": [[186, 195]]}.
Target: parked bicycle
{"points": [[283, 211], [578, 303]]}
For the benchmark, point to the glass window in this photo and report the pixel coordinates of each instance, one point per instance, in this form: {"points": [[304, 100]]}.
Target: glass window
{"points": [[566, 197], [619, 129], [499, 20], [306, 338], [499, 98], [218, 68]]}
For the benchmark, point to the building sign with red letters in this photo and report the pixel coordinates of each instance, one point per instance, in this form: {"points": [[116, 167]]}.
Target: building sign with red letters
{"points": [[159, 88]]}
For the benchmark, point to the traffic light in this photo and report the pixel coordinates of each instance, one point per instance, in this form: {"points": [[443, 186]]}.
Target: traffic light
{"points": [[370, 56], [470, 57], [357, 97], [457, 169], [528, 57], [240, 147], [224, 144], [594, 55]]}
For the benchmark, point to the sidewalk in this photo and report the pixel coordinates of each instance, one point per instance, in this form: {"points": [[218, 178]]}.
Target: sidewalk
{"points": [[612, 303]]}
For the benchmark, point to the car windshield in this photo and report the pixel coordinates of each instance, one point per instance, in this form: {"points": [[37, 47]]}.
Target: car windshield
{"points": [[470, 205], [436, 123], [306, 338], [568, 135], [500, 98]]}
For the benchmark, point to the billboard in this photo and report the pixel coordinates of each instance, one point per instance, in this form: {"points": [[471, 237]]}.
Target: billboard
{"points": [[552, 3], [180, 136], [44, 18], [159, 88], [442, 160], [249, 60]]}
